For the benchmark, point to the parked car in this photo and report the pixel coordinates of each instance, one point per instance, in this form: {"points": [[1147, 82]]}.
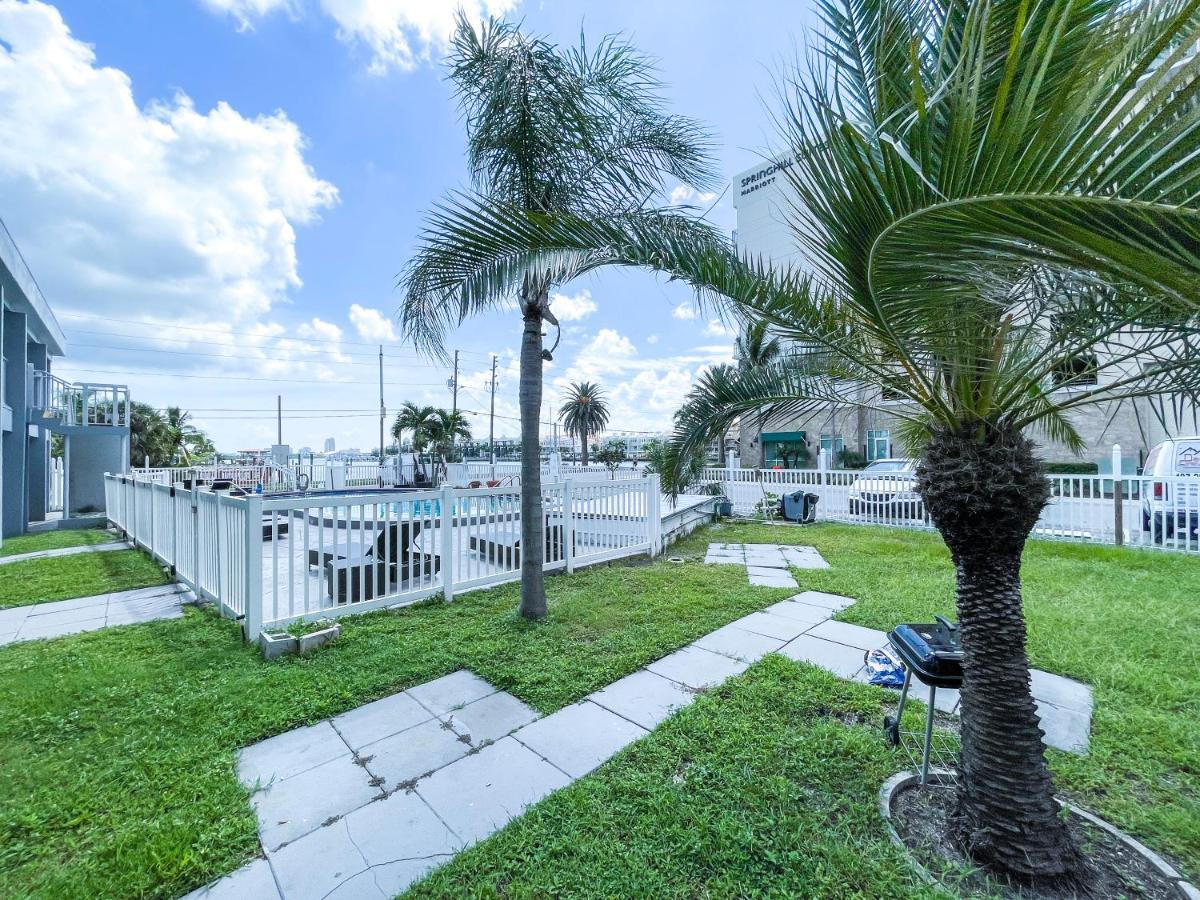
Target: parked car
{"points": [[1171, 501], [887, 488]]}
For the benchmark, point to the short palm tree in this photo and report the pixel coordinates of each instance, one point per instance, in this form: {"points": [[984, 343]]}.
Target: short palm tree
{"points": [[576, 131], [445, 429], [987, 193], [584, 413], [416, 421]]}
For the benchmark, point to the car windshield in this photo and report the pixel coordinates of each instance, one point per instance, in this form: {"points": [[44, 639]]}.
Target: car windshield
{"points": [[889, 465]]}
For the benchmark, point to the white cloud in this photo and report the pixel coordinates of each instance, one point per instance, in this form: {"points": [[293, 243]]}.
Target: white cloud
{"points": [[684, 311], [371, 324], [652, 339], [245, 12], [398, 34], [572, 309], [717, 328], [403, 33], [320, 330], [138, 210], [683, 193]]}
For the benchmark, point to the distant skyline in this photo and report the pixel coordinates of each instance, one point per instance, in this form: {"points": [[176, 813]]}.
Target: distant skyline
{"points": [[216, 197]]}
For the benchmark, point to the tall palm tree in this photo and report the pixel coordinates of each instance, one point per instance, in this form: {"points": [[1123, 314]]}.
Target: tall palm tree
{"points": [[550, 130], [584, 413], [756, 346], [955, 163]]}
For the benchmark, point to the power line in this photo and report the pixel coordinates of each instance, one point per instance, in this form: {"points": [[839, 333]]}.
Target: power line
{"points": [[305, 381]]}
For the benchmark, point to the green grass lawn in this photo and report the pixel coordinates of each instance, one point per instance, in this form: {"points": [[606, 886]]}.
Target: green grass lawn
{"points": [[764, 787], [55, 540], [82, 575], [1126, 622], [117, 747]]}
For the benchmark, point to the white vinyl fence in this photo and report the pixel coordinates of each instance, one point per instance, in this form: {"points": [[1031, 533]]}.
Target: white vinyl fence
{"points": [[273, 560], [1131, 510]]}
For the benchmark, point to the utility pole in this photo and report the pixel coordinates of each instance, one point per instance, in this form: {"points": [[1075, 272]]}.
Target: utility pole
{"points": [[492, 421], [382, 408], [454, 383], [279, 418]]}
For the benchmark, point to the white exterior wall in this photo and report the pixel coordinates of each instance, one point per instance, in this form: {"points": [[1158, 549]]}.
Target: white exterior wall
{"points": [[765, 200]]}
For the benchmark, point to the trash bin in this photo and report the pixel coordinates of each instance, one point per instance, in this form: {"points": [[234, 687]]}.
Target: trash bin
{"points": [[799, 506]]}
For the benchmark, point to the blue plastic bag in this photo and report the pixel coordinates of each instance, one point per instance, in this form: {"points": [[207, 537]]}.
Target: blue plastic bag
{"points": [[884, 669]]}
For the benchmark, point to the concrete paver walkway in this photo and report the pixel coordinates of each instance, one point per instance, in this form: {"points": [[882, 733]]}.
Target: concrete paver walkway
{"points": [[367, 803], [767, 565], [66, 551], [63, 617]]}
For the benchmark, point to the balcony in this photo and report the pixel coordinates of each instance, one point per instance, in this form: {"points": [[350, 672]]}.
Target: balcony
{"points": [[55, 402]]}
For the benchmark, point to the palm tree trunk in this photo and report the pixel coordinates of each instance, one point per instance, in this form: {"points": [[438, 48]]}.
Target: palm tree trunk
{"points": [[583, 449], [984, 491], [533, 586]]}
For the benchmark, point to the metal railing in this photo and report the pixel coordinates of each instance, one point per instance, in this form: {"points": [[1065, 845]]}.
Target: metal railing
{"points": [[273, 560], [78, 403]]}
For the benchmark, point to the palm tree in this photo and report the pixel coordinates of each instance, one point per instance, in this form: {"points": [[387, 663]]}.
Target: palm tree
{"points": [[576, 131], [415, 420], [756, 346], [957, 163], [445, 428], [584, 413]]}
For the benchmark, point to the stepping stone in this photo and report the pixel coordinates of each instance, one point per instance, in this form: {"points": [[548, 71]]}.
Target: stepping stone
{"points": [[843, 661], [483, 792], [643, 697], [804, 558], [312, 867], [289, 754], [402, 839], [580, 737], [297, 805], [851, 635], [772, 626], [408, 755], [1065, 729], [780, 580], [801, 612], [738, 643], [491, 718], [832, 602], [254, 880], [696, 668], [380, 719], [724, 561], [1063, 692], [450, 692]]}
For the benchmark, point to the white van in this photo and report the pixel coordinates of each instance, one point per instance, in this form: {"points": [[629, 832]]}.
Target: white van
{"points": [[1171, 489]]}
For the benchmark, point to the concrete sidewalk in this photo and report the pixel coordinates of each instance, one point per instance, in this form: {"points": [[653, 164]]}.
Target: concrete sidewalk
{"points": [[63, 617], [67, 551]]}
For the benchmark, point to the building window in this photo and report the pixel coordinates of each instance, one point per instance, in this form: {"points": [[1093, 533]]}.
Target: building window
{"points": [[877, 444], [784, 449], [834, 444]]}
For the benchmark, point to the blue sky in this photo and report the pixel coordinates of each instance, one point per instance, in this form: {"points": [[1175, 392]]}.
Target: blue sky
{"points": [[216, 195]]}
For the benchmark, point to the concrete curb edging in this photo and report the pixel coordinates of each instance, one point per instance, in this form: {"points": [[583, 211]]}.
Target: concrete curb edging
{"points": [[901, 780]]}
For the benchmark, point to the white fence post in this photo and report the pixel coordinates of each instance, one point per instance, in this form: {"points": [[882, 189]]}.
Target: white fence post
{"points": [[568, 528], [1118, 498], [254, 566], [654, 514], [447, 529]]}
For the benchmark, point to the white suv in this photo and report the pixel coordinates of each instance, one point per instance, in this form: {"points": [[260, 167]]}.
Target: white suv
{"points": [[1171, 501]]}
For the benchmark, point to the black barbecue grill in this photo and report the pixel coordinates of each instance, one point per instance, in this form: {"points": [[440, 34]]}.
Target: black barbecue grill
{"points": [[933, 653]]}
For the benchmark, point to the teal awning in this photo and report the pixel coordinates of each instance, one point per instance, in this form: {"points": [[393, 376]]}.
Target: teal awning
{"points": [[783, 435]]}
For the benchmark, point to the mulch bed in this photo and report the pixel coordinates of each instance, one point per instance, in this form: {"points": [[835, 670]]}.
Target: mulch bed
{"points": [[1113, 870]]}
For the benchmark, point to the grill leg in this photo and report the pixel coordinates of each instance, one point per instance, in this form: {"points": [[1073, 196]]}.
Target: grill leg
{"points": [[928, 736], [904, 693]]}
